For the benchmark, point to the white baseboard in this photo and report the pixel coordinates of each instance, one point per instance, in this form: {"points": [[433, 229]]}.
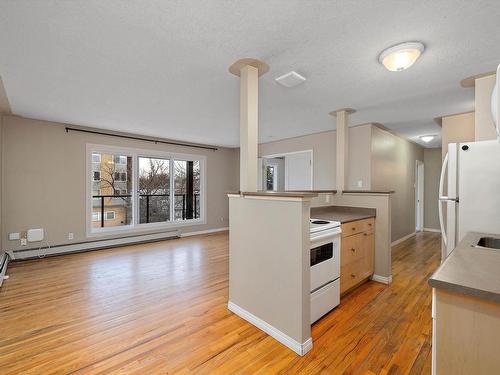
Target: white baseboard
{"points": [[394, 243], [204, 232], [432, 230], [382, 279], [297, 347], [91, 245]]}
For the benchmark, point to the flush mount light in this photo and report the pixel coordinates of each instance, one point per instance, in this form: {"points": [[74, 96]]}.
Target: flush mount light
{"points": [[427, 138], [401, 56], [290, 79]]}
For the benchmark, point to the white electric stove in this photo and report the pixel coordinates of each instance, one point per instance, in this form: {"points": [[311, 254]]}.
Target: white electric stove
{"points": [[325, 266]]}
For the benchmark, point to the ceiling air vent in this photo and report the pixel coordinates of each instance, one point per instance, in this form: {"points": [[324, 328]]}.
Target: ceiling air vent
{"points": [[290, 79]]}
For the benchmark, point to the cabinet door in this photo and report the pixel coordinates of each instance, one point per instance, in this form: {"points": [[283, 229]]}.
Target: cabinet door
{"points": [[368, 245]]}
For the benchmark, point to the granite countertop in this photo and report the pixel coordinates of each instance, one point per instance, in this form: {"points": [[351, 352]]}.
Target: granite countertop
{"points": [[342, 213], [471, 270]]}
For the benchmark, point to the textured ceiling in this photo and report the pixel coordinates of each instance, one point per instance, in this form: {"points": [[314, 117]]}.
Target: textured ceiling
{"points": [[159, 68]]}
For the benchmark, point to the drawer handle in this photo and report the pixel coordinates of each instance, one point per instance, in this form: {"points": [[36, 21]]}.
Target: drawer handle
{"points": [[353, 249], [353, 228], [353, 275], [370, 224], [365, 234]]}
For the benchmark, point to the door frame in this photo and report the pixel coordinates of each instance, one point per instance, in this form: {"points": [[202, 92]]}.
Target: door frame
{"points": [[419, 196], [292, 153]]}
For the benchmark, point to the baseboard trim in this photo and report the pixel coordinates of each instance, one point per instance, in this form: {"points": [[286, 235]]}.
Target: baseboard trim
{"points": [[297, 347], [382, 279], [402, 239], [4, 260], [208, 231], [92, 245], [432, 230]]}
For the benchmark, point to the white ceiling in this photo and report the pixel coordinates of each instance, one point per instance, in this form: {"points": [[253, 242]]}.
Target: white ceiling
{"points": [[159, 68]]}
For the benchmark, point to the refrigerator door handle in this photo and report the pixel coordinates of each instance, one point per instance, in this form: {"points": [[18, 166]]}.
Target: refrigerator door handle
{"points": [[442, 198]]}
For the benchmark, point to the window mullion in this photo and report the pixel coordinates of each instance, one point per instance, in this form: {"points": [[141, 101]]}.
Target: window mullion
{"points": [[171, 195]]}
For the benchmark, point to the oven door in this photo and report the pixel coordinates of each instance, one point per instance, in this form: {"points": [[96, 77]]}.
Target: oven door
{"points": [[325, 261]]}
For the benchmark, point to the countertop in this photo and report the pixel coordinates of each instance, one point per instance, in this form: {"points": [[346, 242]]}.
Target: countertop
{"points": [[342, 213], [470, 270]]}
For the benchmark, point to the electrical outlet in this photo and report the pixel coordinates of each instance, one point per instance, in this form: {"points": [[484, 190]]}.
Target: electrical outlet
{"points": [[14, 236], [24, 241], [71, 235], [360, 183]]}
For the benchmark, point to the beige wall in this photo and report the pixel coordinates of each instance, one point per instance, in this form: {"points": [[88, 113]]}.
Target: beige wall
{"points": [[323, 146], [47, 178], [381, 160], [432, 171], [393, 162], [269, 262], [359, 164], [457, 128], [485, 128]]}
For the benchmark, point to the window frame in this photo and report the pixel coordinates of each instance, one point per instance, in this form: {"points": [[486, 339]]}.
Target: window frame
{"points": [[135, 153]]}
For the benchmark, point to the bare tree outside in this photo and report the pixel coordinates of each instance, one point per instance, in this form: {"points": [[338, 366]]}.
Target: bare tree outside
{"points": [[154, 190]]}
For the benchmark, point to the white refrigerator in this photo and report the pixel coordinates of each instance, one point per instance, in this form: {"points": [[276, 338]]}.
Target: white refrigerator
{"points": [[470, 194]]}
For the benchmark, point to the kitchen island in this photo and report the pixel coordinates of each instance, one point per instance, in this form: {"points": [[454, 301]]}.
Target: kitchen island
{"points": [[466, 310]]}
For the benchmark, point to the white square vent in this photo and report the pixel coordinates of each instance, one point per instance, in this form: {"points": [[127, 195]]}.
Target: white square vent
{"points": [[290, 79]]}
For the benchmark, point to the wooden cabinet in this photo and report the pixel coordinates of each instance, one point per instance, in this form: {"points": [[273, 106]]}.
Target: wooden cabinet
{"points": [[357, 253]]}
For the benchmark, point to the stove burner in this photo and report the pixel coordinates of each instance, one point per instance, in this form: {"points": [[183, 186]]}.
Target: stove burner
{"points": [[319, 222]]}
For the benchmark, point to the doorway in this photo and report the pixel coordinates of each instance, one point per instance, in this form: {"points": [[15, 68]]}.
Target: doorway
{"points": [[291, 171], [419, 196]]}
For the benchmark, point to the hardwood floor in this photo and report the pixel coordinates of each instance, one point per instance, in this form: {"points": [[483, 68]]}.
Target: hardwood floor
{"points": [[161, 308]]}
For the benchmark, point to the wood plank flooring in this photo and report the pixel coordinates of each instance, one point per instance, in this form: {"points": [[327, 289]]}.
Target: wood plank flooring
{"points": [[160, 308]]}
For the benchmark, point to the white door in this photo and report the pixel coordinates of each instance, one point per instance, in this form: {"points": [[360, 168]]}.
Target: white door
{"points": [[419, 196], [298, 171]]}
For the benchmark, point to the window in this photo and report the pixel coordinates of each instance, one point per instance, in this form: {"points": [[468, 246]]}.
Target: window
{"points": [[117, 209], [96, 158], [271, 177], [120, 159], [139, 188], [154, 190]]}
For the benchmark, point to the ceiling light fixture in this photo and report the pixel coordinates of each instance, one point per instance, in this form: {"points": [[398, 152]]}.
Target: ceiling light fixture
{"points": [[427, 138], [290, 79], [401, 56]]}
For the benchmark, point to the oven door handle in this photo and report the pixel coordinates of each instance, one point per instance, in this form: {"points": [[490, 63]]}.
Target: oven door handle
{"points": [[326, 235]]}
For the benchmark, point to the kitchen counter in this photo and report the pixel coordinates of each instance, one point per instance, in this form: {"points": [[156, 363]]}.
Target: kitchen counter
{"points": [[342, 213], [469, 270]]}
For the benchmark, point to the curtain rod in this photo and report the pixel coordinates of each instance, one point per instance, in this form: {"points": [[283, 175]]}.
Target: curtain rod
{"points": [[156, 141]]}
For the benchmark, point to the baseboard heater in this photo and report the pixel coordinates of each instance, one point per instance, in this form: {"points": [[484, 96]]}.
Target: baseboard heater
{"points": [[91, 245], [4, 260]]}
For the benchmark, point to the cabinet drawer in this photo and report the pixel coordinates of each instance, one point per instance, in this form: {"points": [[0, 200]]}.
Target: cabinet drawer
{"points": [[353, 273], [353, 248], [355, 227]]}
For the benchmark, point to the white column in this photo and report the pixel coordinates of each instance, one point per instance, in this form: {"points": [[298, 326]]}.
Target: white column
{"points": [[249, 71], [342, 145]]}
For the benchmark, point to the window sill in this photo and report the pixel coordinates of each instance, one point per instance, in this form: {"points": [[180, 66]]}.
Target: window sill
{"points": [[143, 228]]}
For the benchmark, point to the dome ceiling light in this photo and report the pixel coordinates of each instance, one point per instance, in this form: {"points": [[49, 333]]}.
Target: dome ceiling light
{"points": [[401, 56], [427, 138]]}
